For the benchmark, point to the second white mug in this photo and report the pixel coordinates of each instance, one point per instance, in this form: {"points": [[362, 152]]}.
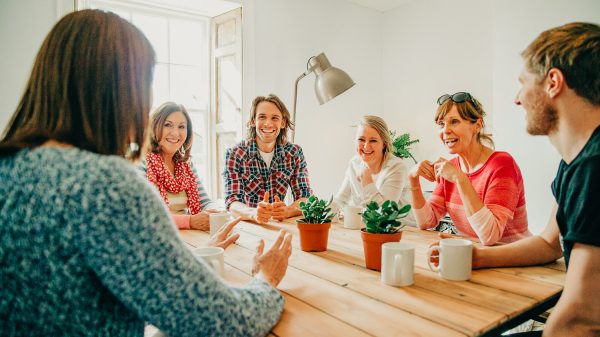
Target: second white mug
{"points": [[456, 258], [213, 256], [397, 263], [352, 218]]}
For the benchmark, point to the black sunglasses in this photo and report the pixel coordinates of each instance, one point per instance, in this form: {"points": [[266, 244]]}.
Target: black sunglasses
{"points": [[459, 97]]}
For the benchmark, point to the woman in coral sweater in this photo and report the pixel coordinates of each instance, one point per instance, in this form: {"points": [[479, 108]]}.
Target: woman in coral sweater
{"points": [[481, 189]]}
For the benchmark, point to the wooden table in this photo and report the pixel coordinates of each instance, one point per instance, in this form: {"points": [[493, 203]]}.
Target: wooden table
{"points": [[332, 294]]}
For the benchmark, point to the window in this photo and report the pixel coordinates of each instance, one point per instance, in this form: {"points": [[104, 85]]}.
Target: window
{"points": [[182, 45]]}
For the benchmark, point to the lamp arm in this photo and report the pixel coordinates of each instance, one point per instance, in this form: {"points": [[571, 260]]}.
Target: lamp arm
{"points": [[295, 98]]}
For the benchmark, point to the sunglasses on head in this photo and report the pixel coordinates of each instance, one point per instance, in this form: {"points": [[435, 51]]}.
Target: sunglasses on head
{"points": [[458, 97]]}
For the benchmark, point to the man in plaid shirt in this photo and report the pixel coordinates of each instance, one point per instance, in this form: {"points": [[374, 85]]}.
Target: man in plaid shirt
{"points": [[259, 170]]}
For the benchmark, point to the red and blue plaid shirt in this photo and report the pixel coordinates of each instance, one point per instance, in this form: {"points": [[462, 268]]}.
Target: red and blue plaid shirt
{"points": [[247, 176]]}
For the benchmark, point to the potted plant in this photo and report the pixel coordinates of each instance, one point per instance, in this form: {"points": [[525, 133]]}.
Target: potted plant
{"points": [[382, 226], [401, 145], [314, 227]]}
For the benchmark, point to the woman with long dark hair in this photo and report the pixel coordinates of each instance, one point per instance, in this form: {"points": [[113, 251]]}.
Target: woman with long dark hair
{"points": [[88, 248]]}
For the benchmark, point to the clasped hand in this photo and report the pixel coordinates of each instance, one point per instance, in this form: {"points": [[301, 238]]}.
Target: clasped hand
{"points": [[435, 171], [265, 210]]}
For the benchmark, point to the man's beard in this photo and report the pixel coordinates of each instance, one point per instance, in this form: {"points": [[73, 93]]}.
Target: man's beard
{"points": [[542, 124]]}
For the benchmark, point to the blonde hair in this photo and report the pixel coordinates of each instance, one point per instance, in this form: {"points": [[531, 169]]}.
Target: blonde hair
{"points": [[574, 49], [467, 111], [382, 129], [289, 125]]}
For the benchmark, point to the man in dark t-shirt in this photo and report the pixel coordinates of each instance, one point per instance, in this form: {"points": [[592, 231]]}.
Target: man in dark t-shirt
{"points": [[560, 92], [576, 189]]}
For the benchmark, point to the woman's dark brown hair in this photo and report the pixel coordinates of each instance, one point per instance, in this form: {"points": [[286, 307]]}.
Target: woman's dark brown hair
{"points": [[157, 125], [90, 87]]}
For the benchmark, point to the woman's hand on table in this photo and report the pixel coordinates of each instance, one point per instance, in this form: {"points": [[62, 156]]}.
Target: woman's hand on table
{"points": [[272, 264], [201, 220], [224, 237]]}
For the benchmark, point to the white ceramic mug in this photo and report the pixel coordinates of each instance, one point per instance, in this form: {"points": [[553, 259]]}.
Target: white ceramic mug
{"points": [[213, 256], [397, 263], [217, 220], [352, 218], [456, 257]]}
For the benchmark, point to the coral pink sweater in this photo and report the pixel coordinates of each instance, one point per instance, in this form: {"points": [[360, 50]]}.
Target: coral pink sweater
{"points": [[499, 184]]}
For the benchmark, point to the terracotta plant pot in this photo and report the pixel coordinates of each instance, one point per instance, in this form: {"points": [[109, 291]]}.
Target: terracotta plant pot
{"points": [[313, 237], [372, 246]]}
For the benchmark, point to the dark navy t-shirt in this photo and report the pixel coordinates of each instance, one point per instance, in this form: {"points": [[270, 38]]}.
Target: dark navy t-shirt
{"points": [[576, 189]]}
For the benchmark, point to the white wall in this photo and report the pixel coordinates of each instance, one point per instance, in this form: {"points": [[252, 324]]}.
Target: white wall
{"points": [[21, 36], [431, 48], [516, 23], [279, 37]]}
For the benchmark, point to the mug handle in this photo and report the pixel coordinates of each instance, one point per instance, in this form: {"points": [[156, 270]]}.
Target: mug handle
{"points": [[397, 268], [431, 250]]}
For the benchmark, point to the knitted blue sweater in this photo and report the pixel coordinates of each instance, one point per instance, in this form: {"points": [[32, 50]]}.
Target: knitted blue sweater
{"points": [[88, 249]]}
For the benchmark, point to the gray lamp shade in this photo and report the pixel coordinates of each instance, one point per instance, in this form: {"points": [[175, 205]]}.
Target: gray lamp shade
{"points": [[330, 81]]}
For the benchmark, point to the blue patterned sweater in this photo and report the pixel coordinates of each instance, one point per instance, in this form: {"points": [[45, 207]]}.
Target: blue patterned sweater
{"points": [[88, 249]]}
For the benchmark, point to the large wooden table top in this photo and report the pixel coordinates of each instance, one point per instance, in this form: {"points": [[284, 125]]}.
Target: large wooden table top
{"points": [[332, 293]]}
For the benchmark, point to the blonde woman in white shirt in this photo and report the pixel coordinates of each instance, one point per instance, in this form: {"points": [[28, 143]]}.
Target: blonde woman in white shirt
{"points": [[374, 173]]}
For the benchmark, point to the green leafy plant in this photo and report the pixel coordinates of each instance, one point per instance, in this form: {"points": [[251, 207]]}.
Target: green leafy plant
{"points": [[384, 219], [316, 210], [401, 145]]}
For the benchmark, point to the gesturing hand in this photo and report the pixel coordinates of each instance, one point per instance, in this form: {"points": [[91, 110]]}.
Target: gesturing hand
{"points": [[223, 237], [446, 170], [422, 169], [272, 265]]}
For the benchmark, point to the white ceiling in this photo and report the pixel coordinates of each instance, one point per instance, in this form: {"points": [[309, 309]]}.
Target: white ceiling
{"points": [[380, 5]]}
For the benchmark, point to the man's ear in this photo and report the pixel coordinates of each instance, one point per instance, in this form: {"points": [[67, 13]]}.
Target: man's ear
{"points": [[555, 82]]}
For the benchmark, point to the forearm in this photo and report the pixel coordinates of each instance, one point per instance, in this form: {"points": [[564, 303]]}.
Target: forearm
{"points": [[182, 220], [294, 209], [418, 199], [529, 251], [487, 226], [240, 209], [471, 201], [577, 313]]}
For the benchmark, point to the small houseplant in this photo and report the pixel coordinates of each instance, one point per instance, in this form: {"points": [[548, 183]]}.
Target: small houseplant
{"points": [[381, 225], [401, 145], [314, 227]]}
